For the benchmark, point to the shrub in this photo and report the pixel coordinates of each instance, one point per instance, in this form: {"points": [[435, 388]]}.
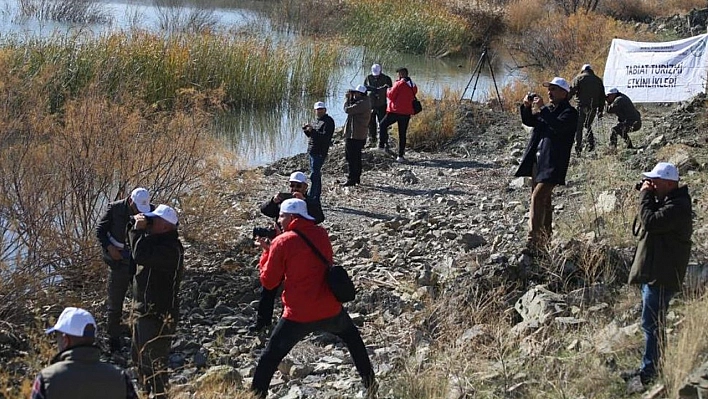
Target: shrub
{"points": [[435, 125], [521, 14]]}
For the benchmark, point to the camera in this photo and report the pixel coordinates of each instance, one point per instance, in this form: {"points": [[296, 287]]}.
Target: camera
{"points": [[132, 221], [531, 96], [265, 232], [639, 185]]}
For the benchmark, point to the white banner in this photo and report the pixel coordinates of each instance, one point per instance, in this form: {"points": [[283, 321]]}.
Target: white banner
{"points": [[657, 72]]}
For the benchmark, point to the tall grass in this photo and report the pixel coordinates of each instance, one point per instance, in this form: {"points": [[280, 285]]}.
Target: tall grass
{"points": [[239, 71], [435, 125], [74, 11]]}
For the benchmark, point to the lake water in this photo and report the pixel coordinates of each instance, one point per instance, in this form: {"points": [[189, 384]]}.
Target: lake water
{"points": [[262, 136]]}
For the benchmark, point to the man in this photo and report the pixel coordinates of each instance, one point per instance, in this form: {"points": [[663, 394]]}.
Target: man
{"points": [[159, 256], [663, 251], [358, 109], [111, 235], [319, 139], [628, 118], [376, 85], [308, 301], [590, 93], [547, 155], [399, 110], [76, 371], [271, 208]]}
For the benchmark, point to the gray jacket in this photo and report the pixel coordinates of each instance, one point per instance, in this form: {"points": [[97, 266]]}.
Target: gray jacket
{"points": [[358, 115]]}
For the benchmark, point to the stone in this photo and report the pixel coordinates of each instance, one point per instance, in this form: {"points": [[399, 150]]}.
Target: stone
{"points": [[606, 202], [471, 334], [301, 370], [683, 160], [658, 142], [541, 305], [220, 376], [696, 385], [472, 240]]}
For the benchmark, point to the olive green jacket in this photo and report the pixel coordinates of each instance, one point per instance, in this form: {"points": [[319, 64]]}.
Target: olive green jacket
{"points": [[358, 115], [665, 228]]}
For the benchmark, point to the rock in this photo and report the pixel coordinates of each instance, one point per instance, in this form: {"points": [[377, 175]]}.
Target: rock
{"points": [[612, 336], [606, 202], [471, 334], [301, 370], [201, 358], [696, 385], [541, 305], [696, 277], [586, 295], [220, 376], [683, 160], [472, 240], [658, 142], [519, 183]]}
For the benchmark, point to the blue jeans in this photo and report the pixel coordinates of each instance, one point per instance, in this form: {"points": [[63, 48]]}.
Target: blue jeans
{"points": [[287, 333], [316, 162], [655, 302]]}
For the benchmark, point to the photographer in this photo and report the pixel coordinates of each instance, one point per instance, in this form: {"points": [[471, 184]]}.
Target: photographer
{"points": [[547, 155], [320, 138], [111, 234], [399, 110], [376, 84], [271, 208], [358, 109], [660, 261], [628, 118], [159, 256], [308, 302]]}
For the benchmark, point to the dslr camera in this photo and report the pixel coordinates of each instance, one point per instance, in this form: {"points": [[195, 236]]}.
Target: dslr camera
{"points": [[132, 221], [531, 96], [639, 185], [265, 232]]}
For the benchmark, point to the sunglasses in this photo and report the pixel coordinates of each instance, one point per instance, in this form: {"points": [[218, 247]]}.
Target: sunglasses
{"points": [[295, 185]]}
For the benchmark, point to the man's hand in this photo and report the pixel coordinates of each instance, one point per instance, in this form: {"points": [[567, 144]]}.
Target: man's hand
{"points": [[648, 185], [114, 252], [537, 104], [307, 127], [263, 242], [298, 195], [140, 222], [277, 198]]}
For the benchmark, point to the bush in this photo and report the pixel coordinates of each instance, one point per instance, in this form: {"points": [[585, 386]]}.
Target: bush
{"points": [[435, 125]]}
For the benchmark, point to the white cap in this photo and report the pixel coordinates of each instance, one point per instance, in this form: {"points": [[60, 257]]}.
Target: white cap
{"points": [[664, 171], [560, 82], [167, 213], [141, 199], [298, 177], [73, 321], [296, 207], [376, 69], [585, 67], [319, 105], [361, 89], [612, 91]]}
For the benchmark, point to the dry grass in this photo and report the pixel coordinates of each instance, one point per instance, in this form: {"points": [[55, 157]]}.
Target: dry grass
{"points": [[520, 14], [435, 125]]}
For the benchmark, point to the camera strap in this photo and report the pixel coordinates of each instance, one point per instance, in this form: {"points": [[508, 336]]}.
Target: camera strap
{"points": [[313, 248], [635, 228]]}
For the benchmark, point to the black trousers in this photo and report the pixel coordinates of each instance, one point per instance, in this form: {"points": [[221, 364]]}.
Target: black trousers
{"points": [[119, 280], [622, 129], [352, 153], [152, 338], [265, 306], [287, 333], [389, 120], [377, 113]]}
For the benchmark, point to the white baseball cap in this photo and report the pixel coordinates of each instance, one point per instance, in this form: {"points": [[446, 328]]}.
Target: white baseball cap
{"points": [[376, 69], [612, 91], [664, 171], [585, 67], [165, 212], [361, 89], [298, 177], [319, 105], [141, 199], [295, 206], [560, 82], [73, 321]]}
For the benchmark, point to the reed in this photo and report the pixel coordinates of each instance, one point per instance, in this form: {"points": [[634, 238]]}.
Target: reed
{"points": [[243, 70]]}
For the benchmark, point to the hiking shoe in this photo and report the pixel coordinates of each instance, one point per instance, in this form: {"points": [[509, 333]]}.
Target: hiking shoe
{"points": [[349, 183], [400, 159], [645, 378]]}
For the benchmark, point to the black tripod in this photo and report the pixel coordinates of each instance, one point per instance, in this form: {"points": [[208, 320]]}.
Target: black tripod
{"points": [[478, 71]]}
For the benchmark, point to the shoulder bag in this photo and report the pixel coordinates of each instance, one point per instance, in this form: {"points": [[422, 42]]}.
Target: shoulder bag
{"points": [[337, 277]]}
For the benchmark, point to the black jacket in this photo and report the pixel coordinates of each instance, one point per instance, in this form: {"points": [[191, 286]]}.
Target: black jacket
{"points": [[664, 235], [314, 208], [624, 109], [550, 143], [114, 223], [320, 138], [160, 263], [375, 86]]}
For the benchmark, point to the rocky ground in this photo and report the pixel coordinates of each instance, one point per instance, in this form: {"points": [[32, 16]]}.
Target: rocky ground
{"points": [[444, 228]]}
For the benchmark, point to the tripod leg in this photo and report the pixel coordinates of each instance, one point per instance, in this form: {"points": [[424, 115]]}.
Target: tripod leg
{"points": [[476, 71], [491, 72]]}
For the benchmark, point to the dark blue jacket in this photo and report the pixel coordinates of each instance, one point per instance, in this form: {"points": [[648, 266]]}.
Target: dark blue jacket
{"points": [[550, 143]]}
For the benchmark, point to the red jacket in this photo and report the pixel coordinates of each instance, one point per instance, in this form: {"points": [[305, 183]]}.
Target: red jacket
{"points": [[400, 97], [306, 295]]}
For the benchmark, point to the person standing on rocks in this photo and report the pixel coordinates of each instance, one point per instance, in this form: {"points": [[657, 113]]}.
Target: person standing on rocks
{"points": [[590, 93], [628, 118], [376, 84], [111, 234], [309, 304], [271, 208], [399, 110], [547, 154], [664, 230], [319, 135], [77, 371], [159, 256], [358, 109]]}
